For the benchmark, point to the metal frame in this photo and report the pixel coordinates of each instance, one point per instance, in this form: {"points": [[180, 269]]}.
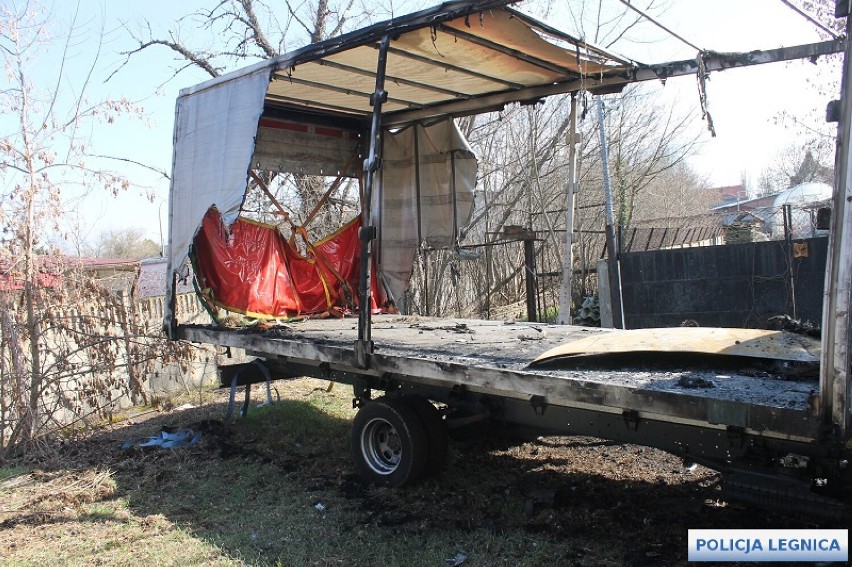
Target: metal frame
{"points": [[836, 364], [465, 103], [568, 389], [712, 62], [364, 344]]}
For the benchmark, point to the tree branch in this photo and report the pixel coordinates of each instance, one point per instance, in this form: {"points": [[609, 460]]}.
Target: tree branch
{"points": [[183, 51], [257, 31]]}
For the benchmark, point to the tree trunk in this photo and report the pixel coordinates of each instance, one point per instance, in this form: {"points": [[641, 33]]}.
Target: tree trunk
{"points": [[11, 337]]}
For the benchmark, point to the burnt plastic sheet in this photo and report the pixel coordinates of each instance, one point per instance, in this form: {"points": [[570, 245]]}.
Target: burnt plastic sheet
{"points": [[250, 268]]}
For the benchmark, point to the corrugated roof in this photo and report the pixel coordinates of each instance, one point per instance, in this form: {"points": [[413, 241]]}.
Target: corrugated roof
{"points": [[53, 269], [99, 263]]}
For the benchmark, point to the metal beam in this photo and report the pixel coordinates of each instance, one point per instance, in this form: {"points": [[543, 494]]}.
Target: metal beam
{"points": [[367, 233], [393, 78], [298, 103], [342, 90], [836, 358], [454, 68], [613, 249], [570, 190], [519, 55], [712, 62]]}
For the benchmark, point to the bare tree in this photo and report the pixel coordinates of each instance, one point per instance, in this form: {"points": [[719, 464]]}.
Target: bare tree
{"points": [[813, 134], [674, 198], [796, 164], [243, 31], [65, 345], [646, 140], [126, 243]]}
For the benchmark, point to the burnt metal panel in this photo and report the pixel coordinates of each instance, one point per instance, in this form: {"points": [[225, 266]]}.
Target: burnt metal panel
{"points": [[736, 285]]}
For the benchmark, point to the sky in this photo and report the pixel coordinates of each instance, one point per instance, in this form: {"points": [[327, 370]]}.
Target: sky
{"points": [[744, 103]]}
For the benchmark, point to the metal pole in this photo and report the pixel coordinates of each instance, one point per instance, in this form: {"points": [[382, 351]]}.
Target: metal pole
{"points": [[417, 187], [426, 279], [421, 253], [787, 211], [170, 301], [836, 357], [531, 277], [364, 344], [612, 248], [564, 316], [489, 277]]}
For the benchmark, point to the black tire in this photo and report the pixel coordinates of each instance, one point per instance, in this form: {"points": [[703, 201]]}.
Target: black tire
{"points": [[436, 432], [389, 443]]}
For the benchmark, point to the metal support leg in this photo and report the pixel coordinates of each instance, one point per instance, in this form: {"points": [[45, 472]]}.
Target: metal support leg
{"points": [[244, 410]]}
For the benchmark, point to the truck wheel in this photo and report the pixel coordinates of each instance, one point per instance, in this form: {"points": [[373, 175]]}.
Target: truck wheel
{"points": [[389, 442], [436, 432]]}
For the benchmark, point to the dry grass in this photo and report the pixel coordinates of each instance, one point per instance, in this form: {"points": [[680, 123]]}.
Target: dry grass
{"points": [[278, 488]]}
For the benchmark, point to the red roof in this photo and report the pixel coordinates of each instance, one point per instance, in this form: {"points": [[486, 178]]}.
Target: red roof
{"points": [[730, 193], [13, 281], [52, 269], [94, 263]]}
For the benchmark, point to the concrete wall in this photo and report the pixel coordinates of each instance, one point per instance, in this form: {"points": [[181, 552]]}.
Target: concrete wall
{"points": [[95, 350], [198, 365]]}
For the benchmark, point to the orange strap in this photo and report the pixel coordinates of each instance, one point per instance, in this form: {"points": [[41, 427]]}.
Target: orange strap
{"points": [[281, 210], [330, 190]]}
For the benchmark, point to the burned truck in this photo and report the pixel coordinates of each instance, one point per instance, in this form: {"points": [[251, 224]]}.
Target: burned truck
{"points": [[375, 111]]}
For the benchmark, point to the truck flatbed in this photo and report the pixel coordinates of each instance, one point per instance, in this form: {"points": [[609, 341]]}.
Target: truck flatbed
{"points": [[492, 357]]}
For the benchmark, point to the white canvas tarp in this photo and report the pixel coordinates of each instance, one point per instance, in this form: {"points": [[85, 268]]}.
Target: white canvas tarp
{"points": [[443, 177], [215, 130]]}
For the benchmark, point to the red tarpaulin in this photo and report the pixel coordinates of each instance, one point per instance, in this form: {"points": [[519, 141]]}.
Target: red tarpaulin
{"points": [[250, 268]]}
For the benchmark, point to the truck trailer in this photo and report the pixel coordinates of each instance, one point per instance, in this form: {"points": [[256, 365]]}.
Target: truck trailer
{"points": [[767, 409]]}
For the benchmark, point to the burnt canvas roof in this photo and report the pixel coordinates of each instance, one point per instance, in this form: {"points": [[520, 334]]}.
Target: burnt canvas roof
{"points": [[495, 51], [459, 57]]}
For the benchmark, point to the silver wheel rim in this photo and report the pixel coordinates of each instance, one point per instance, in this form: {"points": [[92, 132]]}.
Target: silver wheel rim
{"points": [[381, 446]]}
